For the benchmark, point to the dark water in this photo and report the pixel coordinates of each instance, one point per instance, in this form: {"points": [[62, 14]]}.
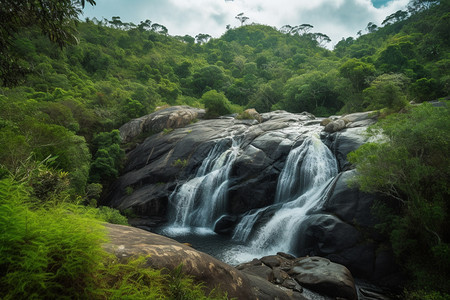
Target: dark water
{"points": [[207, 241]]}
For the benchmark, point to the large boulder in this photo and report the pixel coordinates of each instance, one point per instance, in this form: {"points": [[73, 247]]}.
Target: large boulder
{"points": [[163, 252], [343, 142], [325, 277], [171, 117], [315, 273], [362, 119]]}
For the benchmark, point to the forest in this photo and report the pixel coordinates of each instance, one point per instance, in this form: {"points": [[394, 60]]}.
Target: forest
{"points": [[64, 93]]}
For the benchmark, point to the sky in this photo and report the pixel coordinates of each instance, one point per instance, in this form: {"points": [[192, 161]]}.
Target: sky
{"points": [[336, 18]]}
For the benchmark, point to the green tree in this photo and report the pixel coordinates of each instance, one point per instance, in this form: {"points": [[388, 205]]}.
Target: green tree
{"points": [[264, 98], [56, 19], [424, 89], [395, 57], [312, 92], [108, 157], [386, 91], [411, 165], [358, 72], [208, 78]]}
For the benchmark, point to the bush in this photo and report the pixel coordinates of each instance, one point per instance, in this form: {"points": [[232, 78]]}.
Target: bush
{"points": [[216, 104], [111, 215]]}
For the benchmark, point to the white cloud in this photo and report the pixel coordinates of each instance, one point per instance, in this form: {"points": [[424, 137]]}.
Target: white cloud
{"points": [[336, 18]]}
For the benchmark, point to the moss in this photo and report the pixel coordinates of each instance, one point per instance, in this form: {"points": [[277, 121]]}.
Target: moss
{"points": [[181, 163]]}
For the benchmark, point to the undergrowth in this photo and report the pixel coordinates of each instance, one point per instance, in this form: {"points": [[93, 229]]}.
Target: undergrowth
{"points": [[53, 250]]}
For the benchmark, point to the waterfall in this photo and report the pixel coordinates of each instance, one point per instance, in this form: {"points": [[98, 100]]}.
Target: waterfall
{"points": [[306, 166], [201, 200], [303, 184], [245, 226]]}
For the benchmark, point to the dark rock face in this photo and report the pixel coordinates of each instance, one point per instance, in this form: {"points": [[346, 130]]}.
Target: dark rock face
{"points": [[162, 161], [342, 230]]}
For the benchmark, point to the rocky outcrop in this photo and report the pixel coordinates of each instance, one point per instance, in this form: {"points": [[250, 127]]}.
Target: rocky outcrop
{"points": [[362, 119], [341, 230], [315, 273], [162, 161], [251, 113], [163, 252], [168, 118]]}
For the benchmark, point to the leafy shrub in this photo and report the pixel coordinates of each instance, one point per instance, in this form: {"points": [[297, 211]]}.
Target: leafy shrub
{"points": [[134, 280], [50, 252], [182, 163], [216, 104], [55, 252], [111, 215]]}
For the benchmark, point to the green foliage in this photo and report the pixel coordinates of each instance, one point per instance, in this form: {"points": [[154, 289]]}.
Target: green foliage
{"points": [[108, 157], [216, 104], [312, 92], [411, 166], [425, 295], [134, 280], [424, 89], [49, 252], [387, 91], [167, 130], [358, 72], [54, 251], [56, 19], [208, 78], [111, 215]]}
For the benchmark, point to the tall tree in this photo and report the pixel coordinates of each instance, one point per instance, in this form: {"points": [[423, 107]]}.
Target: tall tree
{"points": [[371, 27], [202, 38], [242, 18]]}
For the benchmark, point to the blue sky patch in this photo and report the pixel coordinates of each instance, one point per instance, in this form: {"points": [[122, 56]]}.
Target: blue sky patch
{"points": [[380, 3]]}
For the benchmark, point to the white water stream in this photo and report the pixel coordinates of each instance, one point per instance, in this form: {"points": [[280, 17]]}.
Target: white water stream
{"points": [[200, 201], [303, 185]]}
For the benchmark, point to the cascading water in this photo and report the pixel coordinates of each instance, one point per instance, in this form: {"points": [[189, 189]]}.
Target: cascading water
{"points": [[303, 185], [201, 200]]}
